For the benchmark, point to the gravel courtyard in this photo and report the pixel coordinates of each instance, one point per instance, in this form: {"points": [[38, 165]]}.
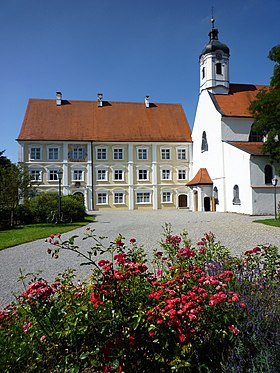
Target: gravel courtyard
{"points": [[237, 232]]}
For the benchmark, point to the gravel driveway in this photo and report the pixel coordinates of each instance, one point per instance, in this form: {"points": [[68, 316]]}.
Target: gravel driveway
{"points": [[237, 232]]}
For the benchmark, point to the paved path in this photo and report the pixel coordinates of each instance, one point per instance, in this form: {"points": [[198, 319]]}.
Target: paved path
{"points": [[237, 232]]}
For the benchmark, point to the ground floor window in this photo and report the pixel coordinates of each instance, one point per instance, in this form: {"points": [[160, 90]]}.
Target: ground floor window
{"points": [[36, 175], [53, 176], [236, 199], [118, 198], [143, 197], [166, 197], [102, 198]]}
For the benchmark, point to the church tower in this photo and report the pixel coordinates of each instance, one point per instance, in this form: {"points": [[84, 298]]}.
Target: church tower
{"points": [[214, 65]]}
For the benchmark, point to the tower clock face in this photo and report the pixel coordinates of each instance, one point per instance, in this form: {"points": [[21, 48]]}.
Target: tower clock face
{"points": [[219, 55]]}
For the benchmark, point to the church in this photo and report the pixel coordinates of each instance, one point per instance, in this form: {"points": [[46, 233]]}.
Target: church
{"points": [[124, 155], [230, 172]]}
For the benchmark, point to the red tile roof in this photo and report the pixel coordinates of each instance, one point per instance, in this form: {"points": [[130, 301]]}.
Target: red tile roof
{"points": [[201, 178], [237, 102], [254, 148], [115, 121]]}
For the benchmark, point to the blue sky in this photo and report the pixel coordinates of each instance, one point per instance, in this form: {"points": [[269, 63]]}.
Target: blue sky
{"points": [[126, 49]]}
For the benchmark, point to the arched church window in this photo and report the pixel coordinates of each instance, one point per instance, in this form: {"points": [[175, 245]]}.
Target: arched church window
{"points": [[236, 199], [216, 195], [255, 136], [268, 174], [204, 143], [203, 72], [218, 68]]}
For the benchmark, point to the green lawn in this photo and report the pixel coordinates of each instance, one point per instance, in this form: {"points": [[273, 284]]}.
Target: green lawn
{"points": [[31, 232], [272, 222]]}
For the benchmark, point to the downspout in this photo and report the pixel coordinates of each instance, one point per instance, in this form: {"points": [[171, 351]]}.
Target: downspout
{"points": [[92, 174]]}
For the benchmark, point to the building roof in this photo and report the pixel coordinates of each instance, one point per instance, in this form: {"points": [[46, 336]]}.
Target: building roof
{"points": [[214, 44], [201, 178], [237, 102], [253, 148], [114, 121]]}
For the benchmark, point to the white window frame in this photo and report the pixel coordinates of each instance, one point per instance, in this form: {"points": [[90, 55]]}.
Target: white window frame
{"points": [[77, 153], [118, 193], [104, 171], [163, 171], [35, 158], [118, 170], [49, 148], [140, 170], [163, 154], [37, 172], [144, 194], [181, 154], [180, 170], [116, 153], [140, 154], [80, 172], [100, 151], [52, 171], [104, 194], [164, 194]]}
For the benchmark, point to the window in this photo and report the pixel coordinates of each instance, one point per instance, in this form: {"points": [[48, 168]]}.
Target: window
{"points": [[118, 198], [165, 153], [216, 195], [118, 175], [53, 175], [35, 153], [236, 200], [101, 154], [218, 68], [166, 197], [142, 154], [143, 197], [181, 154], [77, 153], [256, 136], [36, 175], [53, 154], [268, 174], [203, 72], [204, 144], [78, 175], [182, 174], [143, 174], [102, 174], [165, 174], [118, 153], [102, 198]]}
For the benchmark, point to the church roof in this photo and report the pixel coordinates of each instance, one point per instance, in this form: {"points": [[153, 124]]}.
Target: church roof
{"points": [[114, 121], [253, 148], [237, 102], [201, 178]]}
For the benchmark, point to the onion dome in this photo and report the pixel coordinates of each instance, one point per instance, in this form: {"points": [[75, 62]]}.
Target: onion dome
{"points": [[214, 43]]}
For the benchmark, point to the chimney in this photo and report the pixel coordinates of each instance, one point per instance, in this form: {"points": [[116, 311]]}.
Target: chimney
{"points": [[58, 98], [99, 98], [147, 101]]}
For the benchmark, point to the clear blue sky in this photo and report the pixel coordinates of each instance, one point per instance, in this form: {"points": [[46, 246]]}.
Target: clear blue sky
{"points": [[126, 49]]}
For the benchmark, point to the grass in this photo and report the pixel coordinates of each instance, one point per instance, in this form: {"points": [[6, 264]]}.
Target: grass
{"points": [[272, 222], [27, 233]]}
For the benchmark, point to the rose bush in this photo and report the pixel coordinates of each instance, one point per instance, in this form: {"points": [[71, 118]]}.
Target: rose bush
{"points": [[193, 309]]}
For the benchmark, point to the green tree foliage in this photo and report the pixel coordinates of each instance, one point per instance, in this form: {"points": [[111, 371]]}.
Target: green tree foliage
{"points": [[14, 187], [266, 110]]}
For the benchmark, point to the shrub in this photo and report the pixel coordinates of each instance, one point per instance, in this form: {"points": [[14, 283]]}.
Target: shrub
{"points": [[193, 309]]}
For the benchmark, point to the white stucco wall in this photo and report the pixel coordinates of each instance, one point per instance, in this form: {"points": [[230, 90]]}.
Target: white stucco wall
{"points": [[236, 129]]}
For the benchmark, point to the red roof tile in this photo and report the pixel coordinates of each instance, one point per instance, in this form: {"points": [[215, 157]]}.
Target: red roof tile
{"points": [[201, 178], [254, 148], [115, 121], [237, 102]]}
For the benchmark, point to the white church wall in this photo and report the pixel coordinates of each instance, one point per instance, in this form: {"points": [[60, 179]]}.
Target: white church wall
{"points": [[237, 172], [236, 129]]}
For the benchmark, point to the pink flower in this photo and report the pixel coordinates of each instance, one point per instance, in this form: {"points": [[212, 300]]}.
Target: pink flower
{"points": [[242, 305], [132, 240], [43, 338], [159, 272], [233, 329]]}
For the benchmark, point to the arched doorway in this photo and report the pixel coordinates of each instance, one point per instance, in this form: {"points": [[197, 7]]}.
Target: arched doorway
{"points": [[207, 204], [183, 201]]}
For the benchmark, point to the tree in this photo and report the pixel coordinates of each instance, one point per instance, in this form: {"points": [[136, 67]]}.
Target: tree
{"points": [[14, 186], [4, 161], [266, 111]]}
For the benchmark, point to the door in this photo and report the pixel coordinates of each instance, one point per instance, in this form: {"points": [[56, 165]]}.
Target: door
{"points": [[183, 201], [207, 204]]}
